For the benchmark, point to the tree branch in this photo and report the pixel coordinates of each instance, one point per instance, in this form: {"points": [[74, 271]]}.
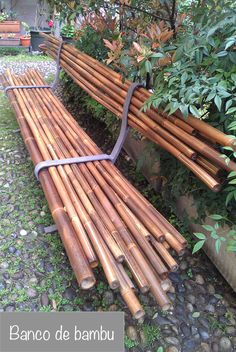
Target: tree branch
{"points": [[144, 11]]}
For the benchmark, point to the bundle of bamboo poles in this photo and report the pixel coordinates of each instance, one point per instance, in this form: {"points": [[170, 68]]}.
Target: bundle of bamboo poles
{"points": [[100, 216], [193, 142]]}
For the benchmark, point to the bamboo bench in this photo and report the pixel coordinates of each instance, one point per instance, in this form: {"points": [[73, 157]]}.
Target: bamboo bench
{"points": [[192, 141], [100, 216]]}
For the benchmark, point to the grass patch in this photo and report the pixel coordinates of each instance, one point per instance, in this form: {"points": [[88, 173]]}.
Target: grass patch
{"points": [[130, 343], [215, 324], [152, 333], [25, 57]]}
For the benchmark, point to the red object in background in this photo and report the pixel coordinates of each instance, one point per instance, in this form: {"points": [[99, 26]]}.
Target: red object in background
{"points": [[50, 23], [25, 41]]}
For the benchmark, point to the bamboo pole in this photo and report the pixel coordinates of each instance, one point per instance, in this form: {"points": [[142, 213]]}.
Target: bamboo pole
{"points": [[160, 268], [73, 248], [48, 131], [194, 167], [152, 288], [114, 173], [84, 219], [197, 124]]}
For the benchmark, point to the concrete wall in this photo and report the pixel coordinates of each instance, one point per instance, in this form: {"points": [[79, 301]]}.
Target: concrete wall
{"points": [[25, 10]]}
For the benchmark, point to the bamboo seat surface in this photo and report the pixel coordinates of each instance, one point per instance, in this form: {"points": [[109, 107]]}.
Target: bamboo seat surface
{"points": [[192, 141]]}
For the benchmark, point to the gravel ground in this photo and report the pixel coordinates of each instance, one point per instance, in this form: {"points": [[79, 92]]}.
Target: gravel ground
{"points": [[22, 63], [35, 274]]}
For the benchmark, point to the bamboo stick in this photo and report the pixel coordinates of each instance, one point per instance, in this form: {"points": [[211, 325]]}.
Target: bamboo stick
{"points": [[118, 222], [122, 182], [73, 248], [85, 220], [195, 123], [200, 172], [161, 269]]}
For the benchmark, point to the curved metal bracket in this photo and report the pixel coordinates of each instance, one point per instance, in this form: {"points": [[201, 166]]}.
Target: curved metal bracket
{"points": [[90, 158]]}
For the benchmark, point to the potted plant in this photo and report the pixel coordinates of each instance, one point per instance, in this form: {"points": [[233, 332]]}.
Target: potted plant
{"points": [[7, 24], [25, 39], [41, 17], [68, 33]]}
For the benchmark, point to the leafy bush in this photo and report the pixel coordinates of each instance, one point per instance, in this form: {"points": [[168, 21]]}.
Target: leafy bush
{"points": [[202, 78], [68, 31]]}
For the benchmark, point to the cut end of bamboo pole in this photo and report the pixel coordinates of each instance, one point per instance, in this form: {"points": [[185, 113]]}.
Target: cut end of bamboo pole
{"points": [[133, 304], [87, 283], [166, 306]]}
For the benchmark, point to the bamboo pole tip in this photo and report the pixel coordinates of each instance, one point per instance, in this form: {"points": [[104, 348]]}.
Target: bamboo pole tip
{"points": [[166, 284], [144, 289], [139, 314], [120, 258], [114, 284], [94, 264], [217, 188], [174, 268], [166, 306], [87, 283], [162, 239], [164, 275]]}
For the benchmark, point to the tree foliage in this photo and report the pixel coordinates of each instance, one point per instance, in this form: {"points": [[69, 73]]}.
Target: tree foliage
{"points": [[185, 51]]}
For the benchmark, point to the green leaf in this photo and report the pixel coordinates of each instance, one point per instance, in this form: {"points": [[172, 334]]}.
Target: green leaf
{"points": [[229, 44], [229, 197], [231, 110], [228, 104], [233, 77], [198, 246], [228, 148], [160, 349], [216, 217], [218, 102], [214, 235], [200, 235], [211, 95], [179, 53], [157, 55], [208, 228], [232, 57], [184, 110], [232, 174], [231, 125], [198, 57], [231, 248], [196, 315], [231, 233], [218, 245], [194, 111], [222, 53], [184, 77], [148, 66], [227, 160]]}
